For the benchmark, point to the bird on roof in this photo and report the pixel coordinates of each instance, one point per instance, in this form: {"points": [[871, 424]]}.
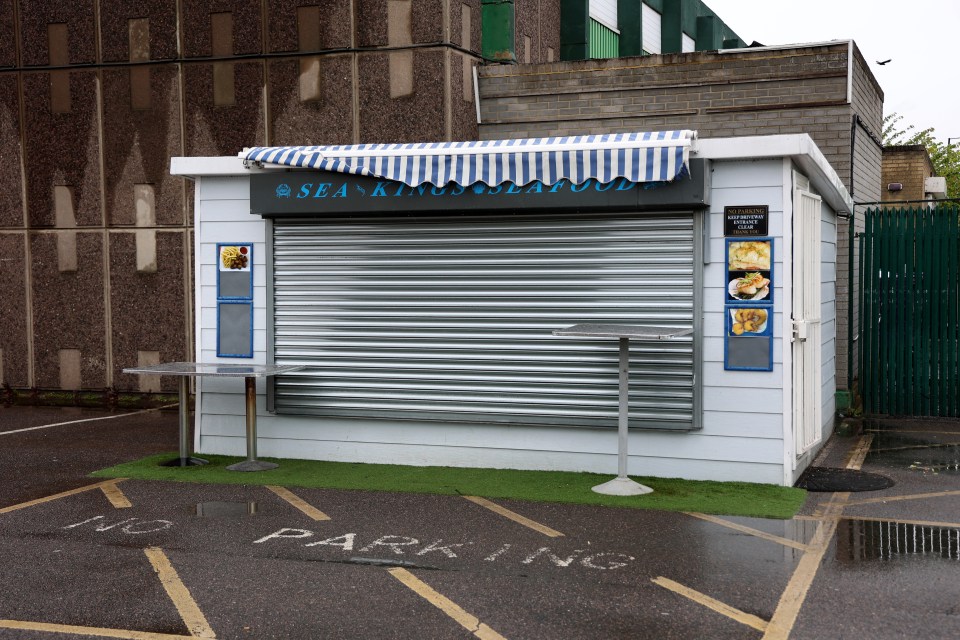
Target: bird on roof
{"points": [[881, 63]]}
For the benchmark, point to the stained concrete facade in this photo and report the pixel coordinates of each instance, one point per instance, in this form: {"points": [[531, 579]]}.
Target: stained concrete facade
{"points": [[96, 96], [824, 90]]}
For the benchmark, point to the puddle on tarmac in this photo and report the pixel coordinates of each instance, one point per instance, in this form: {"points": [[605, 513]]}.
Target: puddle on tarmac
{"points": [[227, 509], [926, 453], [869, 540]]}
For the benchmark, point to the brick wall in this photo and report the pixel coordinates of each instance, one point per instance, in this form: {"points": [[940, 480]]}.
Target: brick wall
{"points": [[819, 90], [908, 165]]}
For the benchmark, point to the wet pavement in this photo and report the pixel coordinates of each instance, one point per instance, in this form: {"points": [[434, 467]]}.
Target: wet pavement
{"points": [[157, 560]]}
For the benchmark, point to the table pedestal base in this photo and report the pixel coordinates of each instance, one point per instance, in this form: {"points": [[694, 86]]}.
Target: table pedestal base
{"points": [[252, 465], [184, 462], [622, 486]]}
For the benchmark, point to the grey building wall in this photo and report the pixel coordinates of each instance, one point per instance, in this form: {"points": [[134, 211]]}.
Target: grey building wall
{"points": [[97, 95], [815, 89]]}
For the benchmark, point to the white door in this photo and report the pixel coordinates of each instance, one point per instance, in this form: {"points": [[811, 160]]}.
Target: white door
{"points": [[807, 416]]}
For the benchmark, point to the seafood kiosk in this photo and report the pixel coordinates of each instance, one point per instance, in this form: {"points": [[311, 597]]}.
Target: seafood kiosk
{"points": [[420, 286]]}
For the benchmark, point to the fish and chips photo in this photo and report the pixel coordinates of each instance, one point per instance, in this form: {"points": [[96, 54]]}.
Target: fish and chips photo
{"points": [[752, 255], [752, 285]]}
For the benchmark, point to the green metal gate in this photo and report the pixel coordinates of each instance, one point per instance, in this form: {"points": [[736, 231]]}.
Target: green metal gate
{"points": [[909, 312]]}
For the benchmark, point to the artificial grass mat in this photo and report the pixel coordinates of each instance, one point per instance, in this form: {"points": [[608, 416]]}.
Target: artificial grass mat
{"points": [[669, 494]]}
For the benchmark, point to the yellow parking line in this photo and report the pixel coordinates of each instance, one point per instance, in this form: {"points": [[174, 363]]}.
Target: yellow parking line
{"points": [[910, 431], [859, 453], [469, 622], [57, 496], [299, 503], [115, 496], [751, 531], [516, 517], [87, 631], [791, 601], [916, 496], [189, 611], [788, 608], [916, 523], [724, 609]]}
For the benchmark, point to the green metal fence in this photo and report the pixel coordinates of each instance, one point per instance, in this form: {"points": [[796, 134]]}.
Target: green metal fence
{"points": [[910, 312]]}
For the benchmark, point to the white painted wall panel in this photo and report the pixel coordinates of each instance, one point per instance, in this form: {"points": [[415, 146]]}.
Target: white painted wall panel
{"points": [[605, 12], [651, 25], [687, 44]]}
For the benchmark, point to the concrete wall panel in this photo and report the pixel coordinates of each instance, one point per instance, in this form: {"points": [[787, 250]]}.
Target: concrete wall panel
{"points": [[138, 146], [328, 120], [13, 310], [334, 24], [148, 309], [197, 41], [68, 310], [414, 118], [11, 178], [78, 15], [223, 130], [115, 17], [62, 148], [8, 54]]}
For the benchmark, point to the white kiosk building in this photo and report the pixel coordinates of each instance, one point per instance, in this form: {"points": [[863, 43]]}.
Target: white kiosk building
{"points": [[420, 285]]}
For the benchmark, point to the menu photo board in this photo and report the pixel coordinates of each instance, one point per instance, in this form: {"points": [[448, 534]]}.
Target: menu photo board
{"points": [[749, 273], [234, 300], [748, 310]]}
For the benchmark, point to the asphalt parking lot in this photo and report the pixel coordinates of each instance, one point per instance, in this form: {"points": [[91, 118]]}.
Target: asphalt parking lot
{"points": [[86, 558]]}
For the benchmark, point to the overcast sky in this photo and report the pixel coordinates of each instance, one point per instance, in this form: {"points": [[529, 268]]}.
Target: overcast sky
{"points": [[920, 37]]}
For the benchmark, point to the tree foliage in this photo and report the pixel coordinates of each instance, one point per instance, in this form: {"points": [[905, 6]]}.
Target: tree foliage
{"points": [[945, 157]]}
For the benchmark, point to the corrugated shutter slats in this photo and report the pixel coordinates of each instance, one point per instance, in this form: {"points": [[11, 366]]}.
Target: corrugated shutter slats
{"points": [[451, 318]]}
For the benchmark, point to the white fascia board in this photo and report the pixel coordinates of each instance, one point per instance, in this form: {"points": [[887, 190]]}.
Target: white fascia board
{"points": [[799, 147], [189, 167]]}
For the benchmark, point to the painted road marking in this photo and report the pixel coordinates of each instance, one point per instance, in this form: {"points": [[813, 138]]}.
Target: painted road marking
{"points": [[57, 496], [788, 608], [915, 496], [908, 431], [724, 609], [179, 594], [115, 495], [516, 517], [859, 453], [791, 601], [751, 531], [299, 503], [63, 424], [467, 621], [87, 631], [916, 523]]}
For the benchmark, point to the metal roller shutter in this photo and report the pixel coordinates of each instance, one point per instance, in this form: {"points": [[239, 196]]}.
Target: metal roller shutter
{"points": [[450, 318]]}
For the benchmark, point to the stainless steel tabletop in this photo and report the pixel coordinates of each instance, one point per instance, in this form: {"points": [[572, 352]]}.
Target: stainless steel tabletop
{"points": [[222, 369], [640, 332]]}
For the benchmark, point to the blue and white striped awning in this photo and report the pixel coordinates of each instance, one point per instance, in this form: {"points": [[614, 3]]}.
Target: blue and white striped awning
{"points": [[639, 157]]}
